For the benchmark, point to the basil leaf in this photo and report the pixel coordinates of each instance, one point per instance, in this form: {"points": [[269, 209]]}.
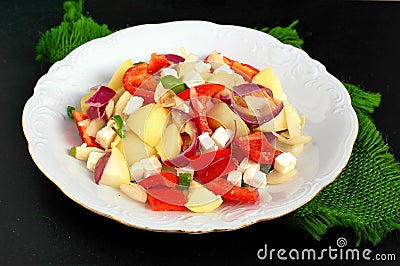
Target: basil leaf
{"points": [[172, 83]]}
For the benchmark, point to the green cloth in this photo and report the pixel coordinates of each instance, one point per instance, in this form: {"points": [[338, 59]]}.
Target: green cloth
{"points": [[365, 196]]}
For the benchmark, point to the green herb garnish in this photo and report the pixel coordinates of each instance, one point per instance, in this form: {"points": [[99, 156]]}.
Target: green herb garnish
{"points": [[120, 125], [172, 83], [184, 180], [69, 111]]}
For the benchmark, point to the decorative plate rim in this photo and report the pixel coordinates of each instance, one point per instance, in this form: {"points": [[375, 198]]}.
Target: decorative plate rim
{"points": [[34, 102]]}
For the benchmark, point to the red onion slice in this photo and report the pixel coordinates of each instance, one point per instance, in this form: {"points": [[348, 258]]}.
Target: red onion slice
{"points": [[95, 112], [174, 58], [99, 168], [101, 97], [251, 120], [249, 88]]}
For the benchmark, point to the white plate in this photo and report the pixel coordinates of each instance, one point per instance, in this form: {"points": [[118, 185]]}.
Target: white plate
{"points": [[331, 120]]}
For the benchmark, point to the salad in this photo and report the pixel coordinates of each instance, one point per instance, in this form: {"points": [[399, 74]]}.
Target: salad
{"points": [[182, 133]]}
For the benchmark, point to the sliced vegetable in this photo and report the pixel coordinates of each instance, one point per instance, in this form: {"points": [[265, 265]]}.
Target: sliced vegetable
{"points": [[221, 115], [250, 119], [79, 117], [116, 80], [184, 180], [120, 125], [202, 161], [100, 97], [202, 200], [250, 88], [208, 89], [248, 70], [100, 166], [135, 76], [157, 62], [175, 84], [69, 111], [165, 179], [217, 168], [166, 199], [174, 58], [189, 127], [112, 171], [257, 148], [227, 190]]}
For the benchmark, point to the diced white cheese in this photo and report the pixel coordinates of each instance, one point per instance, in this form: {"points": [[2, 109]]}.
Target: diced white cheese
{"points": [[207, 144], [220, 137], [247, 163], [133, 105], [285, 162], [255, 178], [151, 165], [202, 67], [93, 157], [223, 68], [137, 171], [192, 79], [105, 136], [235, 177]]}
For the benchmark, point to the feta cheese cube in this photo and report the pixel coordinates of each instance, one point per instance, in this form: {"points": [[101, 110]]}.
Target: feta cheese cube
{"points": [[255, 178], [285, 162], [169, 72], [207, 144], [247, 163], [133, 105], [105, 136], [137, 171], [235, 177], [223, 68], [151, 165], [220, 137], [93, 157]]}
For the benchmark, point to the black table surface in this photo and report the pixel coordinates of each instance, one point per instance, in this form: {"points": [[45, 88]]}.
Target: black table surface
{"points": [[357, 42]]}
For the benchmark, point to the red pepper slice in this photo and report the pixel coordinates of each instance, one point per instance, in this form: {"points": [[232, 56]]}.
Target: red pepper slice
{"points": [[227, 190], [201, 161], [201, 122], [164, 179], [249, 70], [217, 169], [257, 148], [209, 89], [166, 199], [89, 140], [157, 62], [211, 165], [204, 92], [135, 76]]}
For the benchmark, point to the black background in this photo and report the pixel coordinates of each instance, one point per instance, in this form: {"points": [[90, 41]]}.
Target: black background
{"points": [[357, 41]]}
